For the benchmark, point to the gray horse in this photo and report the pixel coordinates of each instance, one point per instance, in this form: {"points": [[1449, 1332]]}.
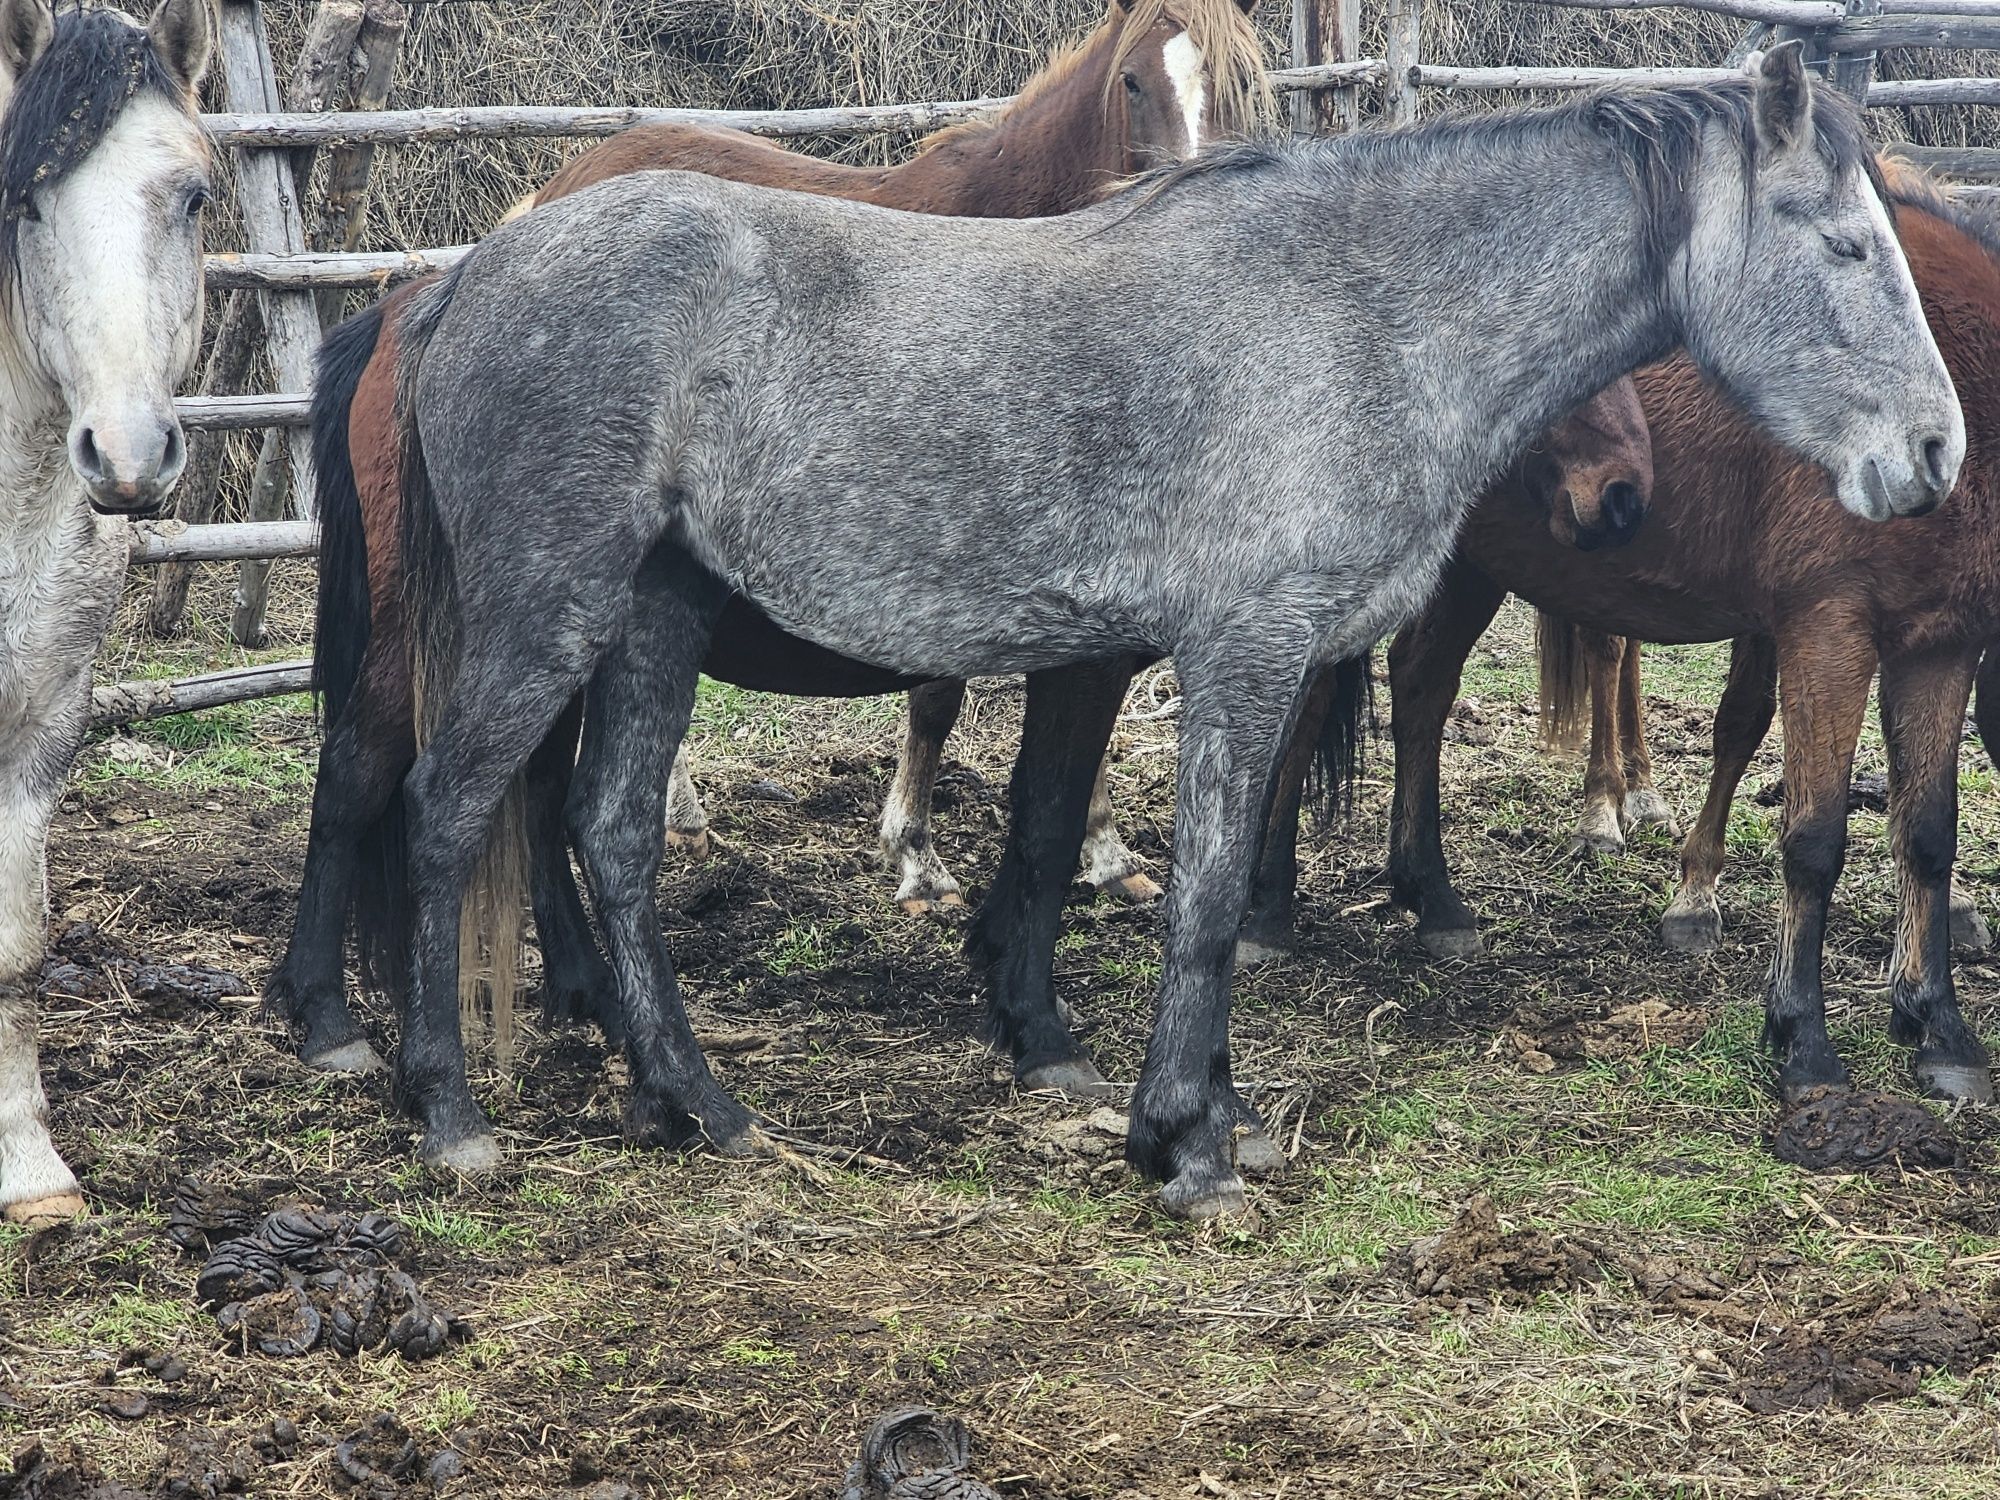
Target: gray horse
{"points": [[103, 176], [1234, 416]]}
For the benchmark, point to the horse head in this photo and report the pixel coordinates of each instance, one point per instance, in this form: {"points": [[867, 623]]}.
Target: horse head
{"points": [[1594, 470]]}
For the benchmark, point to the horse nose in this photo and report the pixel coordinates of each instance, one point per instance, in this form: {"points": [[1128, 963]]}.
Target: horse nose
{"points": [[1937, 467], [129, 473], [1624, 509]]}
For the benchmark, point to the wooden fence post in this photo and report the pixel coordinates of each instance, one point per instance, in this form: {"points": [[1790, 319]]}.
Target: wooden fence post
{"points": [[1399, 94], [269, 196], [1852, 71], [1325, 31]]}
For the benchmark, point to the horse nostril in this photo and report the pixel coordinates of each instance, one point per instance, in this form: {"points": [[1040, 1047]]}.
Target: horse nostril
{"points": [[1934, 470], [1622, 506], [173, 454], [83, 453]]}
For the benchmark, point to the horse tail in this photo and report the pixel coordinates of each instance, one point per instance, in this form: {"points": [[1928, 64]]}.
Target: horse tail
{"points": [[1342, 751], [1565, 683], [491, 917], [341, 620]]}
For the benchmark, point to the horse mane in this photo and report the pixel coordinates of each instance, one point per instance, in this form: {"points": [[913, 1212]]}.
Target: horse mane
{"points": [[96, 63], [1220, 31], [1657, 133], [1910, 186]]}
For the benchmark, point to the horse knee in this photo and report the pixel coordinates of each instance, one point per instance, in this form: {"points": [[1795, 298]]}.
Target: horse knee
{"points": [[1929, 843], [1815, 849]]}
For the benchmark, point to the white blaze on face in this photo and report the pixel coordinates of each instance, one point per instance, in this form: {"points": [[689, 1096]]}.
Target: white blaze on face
{"points": [[1187, 70]]}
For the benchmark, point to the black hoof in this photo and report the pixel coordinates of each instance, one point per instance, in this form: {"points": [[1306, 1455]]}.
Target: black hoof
{"points": [[1201, 1196], [1691, 931], [657, 1126], [1451, 942], [1939, 1079], [1799, 1078], [1072, 1077], [1257, 1155], [469, 1155], [1252, 951], [355, 1057]]}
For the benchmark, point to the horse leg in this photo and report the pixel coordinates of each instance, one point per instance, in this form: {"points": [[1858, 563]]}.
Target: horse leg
{"points": [[1693, 920], [1239, 704], [361, 766], [1107, 863], [1600, 829], [1070, 714], [35, 1185], [1825, 663], [577, 985], [641, 698], [1644, 806], [1426, 661], [687, 819], [906, 816], [1923, 709], [1270, 926]]}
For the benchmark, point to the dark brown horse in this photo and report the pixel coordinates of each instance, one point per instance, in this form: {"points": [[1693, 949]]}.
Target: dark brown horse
{"points": [[1742, 544], [1153, 81]]}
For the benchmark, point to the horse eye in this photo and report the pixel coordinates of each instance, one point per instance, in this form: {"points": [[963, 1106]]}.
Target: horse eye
{"points": [[1846, 249], [196, 202], [1132, 84]]}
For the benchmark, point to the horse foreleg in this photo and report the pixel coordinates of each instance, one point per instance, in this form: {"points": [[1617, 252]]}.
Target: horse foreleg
{"points": [[641, 698], [1070, 713], [1693, 921], [1426, 661], [1270, 925], [1825, 663], [1107, 863], [35, 1185], [1644, 806], [687, 819], [1600, 829], [1187, 1119], [906, 815], [1923, 709]]}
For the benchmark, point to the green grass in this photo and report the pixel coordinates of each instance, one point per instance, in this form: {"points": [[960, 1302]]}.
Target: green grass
{"points": [[803, 948], [131, 1319], [464, 1231]]}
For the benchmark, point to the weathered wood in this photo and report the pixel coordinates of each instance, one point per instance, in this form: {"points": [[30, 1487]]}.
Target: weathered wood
{"points": [[345, 212], [194, 501], [253, 574], [1853, 71], [1908, 93], [169, 542], [1340, 42], [1875, 33], [129, 702], [1941, 7], [1305, 39], [1979, 162], [1327, 32], [242, 413], [1488, 80], [319, 77], [1399, 96], [1777, 12], [1363, 70], [335, 270]]}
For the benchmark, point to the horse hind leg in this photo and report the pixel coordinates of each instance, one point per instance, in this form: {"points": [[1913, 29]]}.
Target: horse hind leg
{"points": [[577, 985], [1693, 920], [36, 1187], [1923, 706], [687, 819], [1108, 863], [924, 883], [1644, 806], [1270, 924], [1600, 828]]}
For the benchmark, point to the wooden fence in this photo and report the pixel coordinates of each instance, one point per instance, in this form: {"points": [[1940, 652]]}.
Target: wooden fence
{"points": [[286, 288]]}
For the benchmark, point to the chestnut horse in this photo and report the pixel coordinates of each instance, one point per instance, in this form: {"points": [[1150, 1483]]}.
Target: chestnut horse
{"points": [[1742, 544], [1154, 81]]}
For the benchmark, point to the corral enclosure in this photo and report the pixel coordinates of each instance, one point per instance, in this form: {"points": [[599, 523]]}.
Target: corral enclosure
{"points": [[1657, 1308]]}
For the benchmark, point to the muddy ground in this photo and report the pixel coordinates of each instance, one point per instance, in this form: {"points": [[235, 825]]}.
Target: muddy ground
{"points": [[1532, 1241]]}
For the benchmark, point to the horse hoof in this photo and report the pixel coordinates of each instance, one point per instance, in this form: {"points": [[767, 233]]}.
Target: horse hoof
{"points": [[1589, 846], [1199, 1199], [1250, 952], [1969, 932], [41, 1213], [350, 1057], [1955, 1081], [1073, 1077], [473, 1156], [1138, 888], [1452, 942], [1691, 931], [1257, 1155], [694, 843], [1646, 808], [919, 906]]}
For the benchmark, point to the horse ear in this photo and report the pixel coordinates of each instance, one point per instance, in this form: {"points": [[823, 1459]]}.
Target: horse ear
{"points": [[1784, 97], [25, 29], [1246, 6], [183, 33]]}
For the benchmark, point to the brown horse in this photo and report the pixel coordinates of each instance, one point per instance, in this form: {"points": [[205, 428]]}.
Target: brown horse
{"points": [[1742, 543], [1151, 83]]}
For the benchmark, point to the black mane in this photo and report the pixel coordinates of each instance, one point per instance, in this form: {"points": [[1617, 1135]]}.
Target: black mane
{"points": [[96, 63]]}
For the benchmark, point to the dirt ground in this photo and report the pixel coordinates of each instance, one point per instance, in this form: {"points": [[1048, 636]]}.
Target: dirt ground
{"points": [[1532, 1241]]}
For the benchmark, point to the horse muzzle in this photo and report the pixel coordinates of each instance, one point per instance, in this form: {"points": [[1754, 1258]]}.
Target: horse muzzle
{"points": [[1621, 507], [128, 472]]}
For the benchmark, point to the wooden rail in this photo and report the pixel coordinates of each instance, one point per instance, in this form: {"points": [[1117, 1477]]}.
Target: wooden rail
{"points": [[176, 541], [128, 702]]}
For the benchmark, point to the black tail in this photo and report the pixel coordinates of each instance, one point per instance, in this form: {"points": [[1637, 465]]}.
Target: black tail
{"points": [[1986, 704], [341, 621], [1342, 752]]}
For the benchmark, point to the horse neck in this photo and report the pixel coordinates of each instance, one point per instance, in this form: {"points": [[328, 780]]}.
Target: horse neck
{"points": [[40, 496], [1052, 152], [1515, 283]]}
